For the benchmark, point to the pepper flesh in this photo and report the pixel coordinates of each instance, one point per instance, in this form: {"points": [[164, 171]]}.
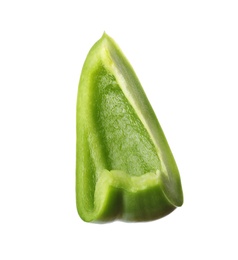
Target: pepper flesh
{"points": [[124, 166]]}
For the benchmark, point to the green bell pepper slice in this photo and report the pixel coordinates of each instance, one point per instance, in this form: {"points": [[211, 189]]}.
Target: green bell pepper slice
{"points": [[124, 167]]}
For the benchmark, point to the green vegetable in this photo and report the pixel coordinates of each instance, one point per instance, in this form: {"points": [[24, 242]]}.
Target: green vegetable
{"points": [[124, 167]]}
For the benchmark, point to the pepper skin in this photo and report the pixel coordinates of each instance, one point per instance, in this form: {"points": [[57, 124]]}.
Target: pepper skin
{"points": [[124, 167]]}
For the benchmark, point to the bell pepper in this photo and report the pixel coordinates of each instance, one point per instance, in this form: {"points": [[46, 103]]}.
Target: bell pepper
{"points": [[124, 167]]}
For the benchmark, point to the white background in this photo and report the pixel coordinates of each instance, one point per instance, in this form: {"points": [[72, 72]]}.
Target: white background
{"points": [[185, 54]]}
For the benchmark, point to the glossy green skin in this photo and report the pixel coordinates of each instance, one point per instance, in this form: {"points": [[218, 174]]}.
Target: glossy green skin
{"points": [[124, 167]]}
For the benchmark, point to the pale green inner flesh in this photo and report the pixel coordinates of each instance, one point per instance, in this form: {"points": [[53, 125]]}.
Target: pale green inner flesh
{"points": [[125, 142]]}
